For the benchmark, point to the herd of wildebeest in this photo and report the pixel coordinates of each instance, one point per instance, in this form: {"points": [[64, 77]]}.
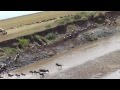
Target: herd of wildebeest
{"points": [[42, 72]]}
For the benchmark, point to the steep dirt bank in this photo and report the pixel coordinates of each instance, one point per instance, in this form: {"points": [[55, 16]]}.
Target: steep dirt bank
{"points": [[67, 37], [82, 62]]}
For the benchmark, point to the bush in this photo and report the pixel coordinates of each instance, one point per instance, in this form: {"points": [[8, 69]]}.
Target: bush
{"points": [[23, 42], [77, 17], [41, 38], [90, 36], [38, 37], [97, 14], [50, 36], [83, 15], [10, 51]]}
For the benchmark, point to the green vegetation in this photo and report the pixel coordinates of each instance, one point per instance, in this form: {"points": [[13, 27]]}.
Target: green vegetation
{"points": [[47, 38], [23, 42], [76, 17], [38, 37], [90, 36], [97, 14], [50, 36], [1, 54], [41, 38], [9, 51], [83, 15], [26, 25]]}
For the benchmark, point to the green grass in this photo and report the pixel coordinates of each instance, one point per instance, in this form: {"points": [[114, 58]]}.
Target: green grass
{"points": [[9, 51], [50, 36], [41, 38], [22, 42], [83, 15], [47, 38]]}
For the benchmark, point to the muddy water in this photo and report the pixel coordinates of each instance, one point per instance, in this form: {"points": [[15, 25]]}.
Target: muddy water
{"points": [[75, 57]]}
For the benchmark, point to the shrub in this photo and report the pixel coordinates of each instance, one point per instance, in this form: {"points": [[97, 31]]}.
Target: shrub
{"points": [[76, 17], [90, 36], [37, 37], [23, 42], [83, 15], [50, 36], [97, 14], [9, 51], [41, 38]]}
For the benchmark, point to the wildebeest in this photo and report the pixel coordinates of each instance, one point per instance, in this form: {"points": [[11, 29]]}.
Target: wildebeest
{"points": [[36, 72], [16, 57], [23, 74], [3, 68], [17, 75], [59, 65], [42, 74], [31, 72], [3, 31], [43, 70], [10, 75]]}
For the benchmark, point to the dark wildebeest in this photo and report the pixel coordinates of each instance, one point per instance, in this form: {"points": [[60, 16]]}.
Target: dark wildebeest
{"points": [[31, 72], [10, 75], [59, 65], [36, 72], [43, 70], [3, 31], [17, 75], [42, 74], [16, 57], [23, 74]]}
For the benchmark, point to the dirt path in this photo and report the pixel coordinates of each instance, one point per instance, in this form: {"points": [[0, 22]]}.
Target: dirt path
{"points": [[79, 57]]}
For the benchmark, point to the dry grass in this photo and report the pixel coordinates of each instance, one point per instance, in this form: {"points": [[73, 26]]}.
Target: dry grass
{"points": [[26, 25], [29, 19]]}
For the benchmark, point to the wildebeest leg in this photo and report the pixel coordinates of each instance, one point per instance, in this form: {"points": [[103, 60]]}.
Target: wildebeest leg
{"points": [[41, 74]]}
